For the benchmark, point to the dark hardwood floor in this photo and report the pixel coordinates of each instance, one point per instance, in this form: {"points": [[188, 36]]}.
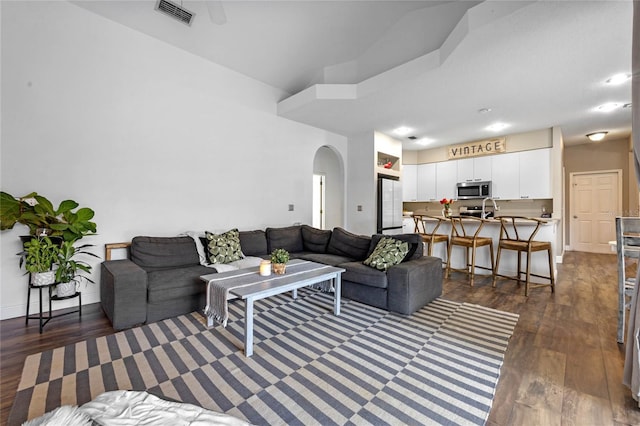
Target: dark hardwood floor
{"points": [[563, 365]]}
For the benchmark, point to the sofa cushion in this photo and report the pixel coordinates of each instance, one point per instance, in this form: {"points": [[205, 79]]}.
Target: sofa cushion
{"points": [[176, 283], [288, 238], [164, 252], [359, 273], [253, 243], [225, 247], [326, 258], [315, 240], [416, 245], [345, 243], [388, 252]]}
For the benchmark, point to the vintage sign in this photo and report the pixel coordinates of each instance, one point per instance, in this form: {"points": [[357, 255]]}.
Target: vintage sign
{"points": [[475, 149]]}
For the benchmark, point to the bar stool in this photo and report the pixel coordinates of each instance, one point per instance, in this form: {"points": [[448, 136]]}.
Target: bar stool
{"points": [[427, 226], [511, 239], [460, 237]]}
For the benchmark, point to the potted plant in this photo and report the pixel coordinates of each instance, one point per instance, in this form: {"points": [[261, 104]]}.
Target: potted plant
{"points": [[40, 216], [70, 268], [279, 258], [39, 256]]}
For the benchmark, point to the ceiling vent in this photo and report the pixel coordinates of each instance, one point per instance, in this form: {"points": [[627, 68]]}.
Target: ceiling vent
{"points": [[175, 11]]}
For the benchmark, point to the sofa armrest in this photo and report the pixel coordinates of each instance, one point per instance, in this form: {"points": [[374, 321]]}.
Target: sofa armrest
{"points": [[413, 284], [123, 293]]}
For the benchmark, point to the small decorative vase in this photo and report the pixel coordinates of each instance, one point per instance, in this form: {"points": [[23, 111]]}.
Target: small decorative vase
{"points": [[279, 268], [66, 289], [43, 278], [447, 212]]}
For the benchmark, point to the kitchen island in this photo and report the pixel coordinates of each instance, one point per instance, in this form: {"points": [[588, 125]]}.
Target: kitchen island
{"points": [[509, 259]]}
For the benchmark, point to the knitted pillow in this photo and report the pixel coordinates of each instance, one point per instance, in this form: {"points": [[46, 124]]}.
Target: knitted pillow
{"points": [[388, 252], [224, 248]]}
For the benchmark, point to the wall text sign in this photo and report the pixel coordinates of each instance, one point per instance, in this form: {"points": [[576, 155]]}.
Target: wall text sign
{"points": [[475, 149]]}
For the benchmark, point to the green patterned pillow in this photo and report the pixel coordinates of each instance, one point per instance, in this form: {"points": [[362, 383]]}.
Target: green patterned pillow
{"points": [[224, 248], [388, 252]]}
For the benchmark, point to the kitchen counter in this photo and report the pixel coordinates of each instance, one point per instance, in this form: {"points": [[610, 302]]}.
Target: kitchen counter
{"points": [[509, 259]]}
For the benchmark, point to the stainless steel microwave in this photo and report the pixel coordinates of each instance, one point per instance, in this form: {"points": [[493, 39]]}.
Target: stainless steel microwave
{"points": [[471, 190]]}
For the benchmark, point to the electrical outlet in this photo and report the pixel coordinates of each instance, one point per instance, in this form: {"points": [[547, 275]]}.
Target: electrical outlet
{"points": [[290, 207], [359, 208]]}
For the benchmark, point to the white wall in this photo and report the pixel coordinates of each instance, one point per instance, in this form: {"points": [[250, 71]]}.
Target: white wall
{"points": [[157, 141], [361, 185]]}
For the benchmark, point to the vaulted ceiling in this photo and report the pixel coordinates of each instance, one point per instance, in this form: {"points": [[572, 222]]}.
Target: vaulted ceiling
{"points": [[445, 69]]}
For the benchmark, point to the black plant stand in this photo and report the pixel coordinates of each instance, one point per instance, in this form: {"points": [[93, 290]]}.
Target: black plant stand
{"points": [[45, 319]]}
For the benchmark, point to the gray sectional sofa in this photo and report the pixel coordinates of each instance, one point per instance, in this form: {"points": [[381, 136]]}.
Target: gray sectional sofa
{"points": [[161, 279]]}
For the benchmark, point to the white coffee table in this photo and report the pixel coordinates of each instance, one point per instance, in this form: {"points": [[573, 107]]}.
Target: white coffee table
{"points": [[248, 285]]}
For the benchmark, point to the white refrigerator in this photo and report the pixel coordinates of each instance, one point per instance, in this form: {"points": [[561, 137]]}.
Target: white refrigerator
{"points": [[389, 206]]}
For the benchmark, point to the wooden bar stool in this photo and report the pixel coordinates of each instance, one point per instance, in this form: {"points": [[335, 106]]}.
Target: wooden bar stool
{"points": [[427, 226], [460, 237], [511, 238]]}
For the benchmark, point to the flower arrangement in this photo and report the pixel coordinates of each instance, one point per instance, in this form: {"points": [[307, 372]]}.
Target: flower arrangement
{"points": [[446, 203]]}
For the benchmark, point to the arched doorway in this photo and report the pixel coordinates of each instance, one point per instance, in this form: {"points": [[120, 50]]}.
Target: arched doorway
{"points": [[328, 189]]}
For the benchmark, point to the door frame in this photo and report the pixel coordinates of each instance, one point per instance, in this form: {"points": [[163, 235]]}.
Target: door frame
{"points": [[618, 211], [319, 216]]}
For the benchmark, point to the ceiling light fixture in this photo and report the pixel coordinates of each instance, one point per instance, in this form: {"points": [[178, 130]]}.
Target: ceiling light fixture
{"points": [[496, 127], [402, 131], [484, 110], [424, 141], [608, 107], [597, 136], [627, 105], [618, 78]]}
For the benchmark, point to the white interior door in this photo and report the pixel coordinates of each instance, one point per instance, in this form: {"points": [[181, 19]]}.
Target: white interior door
{"points": [[596, 200]]}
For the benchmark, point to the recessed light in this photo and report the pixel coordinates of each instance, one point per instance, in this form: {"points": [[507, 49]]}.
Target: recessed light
{"points": [[608, 107], [597, 136], [627, 105], [618, 78], [496, 127], [484, 110], [402, 131], [424, 141]]}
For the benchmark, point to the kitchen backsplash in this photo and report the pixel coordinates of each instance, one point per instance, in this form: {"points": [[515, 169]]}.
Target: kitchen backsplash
{"points": [[529, 208]]}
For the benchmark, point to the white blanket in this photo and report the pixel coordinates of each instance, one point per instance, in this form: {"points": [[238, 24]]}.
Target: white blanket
{"points": [[128, 408]]}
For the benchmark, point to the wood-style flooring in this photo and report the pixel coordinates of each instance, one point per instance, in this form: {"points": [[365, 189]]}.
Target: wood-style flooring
{"points": [[563, 365]]}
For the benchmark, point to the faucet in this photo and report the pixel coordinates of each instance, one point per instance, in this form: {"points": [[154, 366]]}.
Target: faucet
{"points": [[495, 207]]}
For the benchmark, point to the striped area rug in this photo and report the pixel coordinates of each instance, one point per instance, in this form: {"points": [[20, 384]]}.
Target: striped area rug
{"points": [[366, 366]]}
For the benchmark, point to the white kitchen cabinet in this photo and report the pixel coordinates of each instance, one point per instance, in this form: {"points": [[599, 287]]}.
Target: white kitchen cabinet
{"points": [[464, 170], [505, 176], [446, 179], [474, 169], [521, 175], [482, 168], [409, 182], [426, 174], [535, 174]]}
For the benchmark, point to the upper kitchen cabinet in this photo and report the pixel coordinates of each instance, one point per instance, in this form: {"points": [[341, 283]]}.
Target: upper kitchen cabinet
{"points": [[505, 181], [535, 174], [427, 182], [447, 178], [522, 175], [409, 181], [474, 169]]}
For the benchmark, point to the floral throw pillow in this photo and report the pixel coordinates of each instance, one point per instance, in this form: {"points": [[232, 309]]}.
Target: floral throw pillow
{"points": [[224, 248], [388, 252]]}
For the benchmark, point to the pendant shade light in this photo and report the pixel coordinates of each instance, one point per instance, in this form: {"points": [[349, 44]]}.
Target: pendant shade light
{"points": [[597, 136]]}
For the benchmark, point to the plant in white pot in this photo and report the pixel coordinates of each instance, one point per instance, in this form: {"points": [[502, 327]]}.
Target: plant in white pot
{"points": [[70, 268], [39, 256]]}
